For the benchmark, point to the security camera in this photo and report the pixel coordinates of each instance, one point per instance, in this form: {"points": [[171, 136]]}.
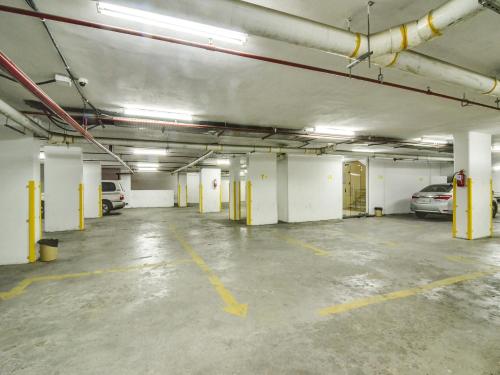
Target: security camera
{"points": [[83, 82]]}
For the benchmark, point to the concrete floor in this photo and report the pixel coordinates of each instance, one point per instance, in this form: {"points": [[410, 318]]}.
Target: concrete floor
{"points": [[134, 295]]}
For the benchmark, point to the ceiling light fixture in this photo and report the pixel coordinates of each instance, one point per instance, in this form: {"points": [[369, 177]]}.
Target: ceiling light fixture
{"points": [[332, 131], [147, 169], [223, 162], [496, 167], [148, 165], [369, 150], [495, 148], [436, 140], [171, 23], [157, 114], [150, 151], [41, 156]]}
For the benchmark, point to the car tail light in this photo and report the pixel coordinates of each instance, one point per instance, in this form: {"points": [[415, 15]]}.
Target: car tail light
{"points": [[122, 197], [442, 197]]}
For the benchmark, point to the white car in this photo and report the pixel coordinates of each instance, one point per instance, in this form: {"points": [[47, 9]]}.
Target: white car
{"points": [[113, 196]]}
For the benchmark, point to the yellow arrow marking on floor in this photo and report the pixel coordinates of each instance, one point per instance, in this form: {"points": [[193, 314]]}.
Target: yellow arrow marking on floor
{"points": [[363, 302], [21, 287], [232, 306], [305, 245]]}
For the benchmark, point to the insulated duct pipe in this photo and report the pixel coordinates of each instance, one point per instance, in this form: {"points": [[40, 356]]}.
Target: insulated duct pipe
{"points": [[193, 162], [31, 86], [22, 120], [195, 146], [284, 27]]}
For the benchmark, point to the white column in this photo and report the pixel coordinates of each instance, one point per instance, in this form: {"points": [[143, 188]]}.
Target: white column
{"points": [[261, 189], [310, 188], [210, 198], [234, 189], [63, 177], [193, 185], [91, 184], [472, 217], [182, 190], [19, 231]]}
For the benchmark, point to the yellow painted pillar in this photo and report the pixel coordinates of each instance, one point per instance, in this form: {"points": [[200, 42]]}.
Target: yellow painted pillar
{"points": [[220, 195], [201, 198], [82, 219], [31, 221], [491, 207], [40, 209], [454, 225], [178, 195], [469, 209], [99, 195], [186, 195]]}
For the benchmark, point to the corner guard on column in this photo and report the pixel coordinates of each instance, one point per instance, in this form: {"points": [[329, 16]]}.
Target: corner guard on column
{"points": [[31, 221], [469, 209], [82, 220], [201, 198], [40, 222], [99, 191], [491, 207]]}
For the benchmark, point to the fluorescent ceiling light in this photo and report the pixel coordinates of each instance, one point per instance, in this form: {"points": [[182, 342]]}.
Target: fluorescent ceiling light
{"points": [[150, 151], [223, 162], [243, 173], [171, 23], [369, 150], [41, 156], [157, 114], [147, 169], [333, 131], [148, 165], [496, 167], [436, 140], [495, 148]]}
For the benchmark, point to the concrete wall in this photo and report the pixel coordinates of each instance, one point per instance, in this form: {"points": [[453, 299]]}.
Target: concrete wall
{"points": [[263, 177], [309, 188], [154, 181], [63, 175], [210, 182], [91, 183], [391, 184], [152, 198], [126, 183], [18, 164], [193, 181]]}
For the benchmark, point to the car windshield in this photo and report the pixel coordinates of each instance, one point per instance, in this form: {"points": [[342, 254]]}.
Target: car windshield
{"points": [[442, 188]]}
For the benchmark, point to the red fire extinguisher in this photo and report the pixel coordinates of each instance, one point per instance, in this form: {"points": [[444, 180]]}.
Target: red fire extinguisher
{"points": [[460, 177]]}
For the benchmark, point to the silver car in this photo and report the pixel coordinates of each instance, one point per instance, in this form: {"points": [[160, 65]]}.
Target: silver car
{"points": [[436, 199]]}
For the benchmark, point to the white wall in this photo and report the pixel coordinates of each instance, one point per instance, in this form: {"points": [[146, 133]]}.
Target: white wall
{"points": [[210, 193], [182, 190], [391, 184], [262, 174], [18, 164], [225, 190], [193, 182], [91, 183], [309, 188], [152, 198], [63, 173]]}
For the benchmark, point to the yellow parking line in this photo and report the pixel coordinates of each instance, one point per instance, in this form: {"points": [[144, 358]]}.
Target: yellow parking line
{"points": [[22, 285], [232, 306], [363, 302], [293, 241]]}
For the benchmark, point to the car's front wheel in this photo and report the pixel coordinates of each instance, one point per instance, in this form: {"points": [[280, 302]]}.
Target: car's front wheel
{"points": [[494, 209], [420, 215], [106, 207]]}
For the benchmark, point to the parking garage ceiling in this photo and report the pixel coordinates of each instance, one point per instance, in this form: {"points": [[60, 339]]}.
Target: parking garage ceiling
{"points": [[125, 70]]}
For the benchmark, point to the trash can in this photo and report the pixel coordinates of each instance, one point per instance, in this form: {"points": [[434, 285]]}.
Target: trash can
{"points": [[379, 211], [48, 249]]}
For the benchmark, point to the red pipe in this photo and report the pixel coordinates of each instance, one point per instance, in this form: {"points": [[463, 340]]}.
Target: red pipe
{"points": [[31, 86], [209, 47]]}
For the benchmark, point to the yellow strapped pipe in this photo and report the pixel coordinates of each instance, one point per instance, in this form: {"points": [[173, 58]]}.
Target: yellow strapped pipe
{"points": [[99, 190], [178, 195], [454, 225], [249, 203], [31, 221], [469, 209], [40, 209], [82, 219]]}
